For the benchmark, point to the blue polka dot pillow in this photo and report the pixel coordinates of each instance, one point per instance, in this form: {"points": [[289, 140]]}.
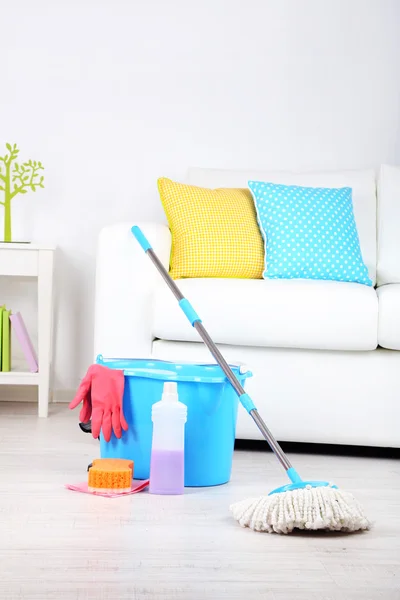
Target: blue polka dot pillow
{"points": [[309, 233]]}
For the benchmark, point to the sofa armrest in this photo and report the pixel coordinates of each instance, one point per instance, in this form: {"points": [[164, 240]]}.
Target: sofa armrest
{"points": [[125, 282]]}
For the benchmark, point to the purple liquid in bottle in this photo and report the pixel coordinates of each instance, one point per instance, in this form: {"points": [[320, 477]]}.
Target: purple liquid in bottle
{"points": [[167, 448], [167, 472]]}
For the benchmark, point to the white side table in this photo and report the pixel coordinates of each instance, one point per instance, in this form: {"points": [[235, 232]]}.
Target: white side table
{"points": [[32, 260]]}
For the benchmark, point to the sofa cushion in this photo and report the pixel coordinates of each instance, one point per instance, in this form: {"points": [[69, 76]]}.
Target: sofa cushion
{"points": [[325, 315], [309, 233], [388, 260], [214, 232], [362, 183], [389, 316]]}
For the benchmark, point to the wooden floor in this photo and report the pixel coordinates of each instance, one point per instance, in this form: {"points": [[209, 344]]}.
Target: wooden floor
{"points": [[57, 544]]}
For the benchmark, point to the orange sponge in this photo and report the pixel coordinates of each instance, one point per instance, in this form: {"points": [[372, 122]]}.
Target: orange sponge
{"points": [[111, 475]]}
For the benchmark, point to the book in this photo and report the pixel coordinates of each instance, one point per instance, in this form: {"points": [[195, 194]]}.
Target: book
{"points": [[6, 342], [25, 341], [1, 331]]}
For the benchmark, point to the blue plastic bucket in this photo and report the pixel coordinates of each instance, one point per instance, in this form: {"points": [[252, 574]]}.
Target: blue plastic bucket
{"points": [[211, 425]]}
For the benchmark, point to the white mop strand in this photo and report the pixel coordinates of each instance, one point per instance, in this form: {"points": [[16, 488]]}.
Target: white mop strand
{"points": [[309, 508]]}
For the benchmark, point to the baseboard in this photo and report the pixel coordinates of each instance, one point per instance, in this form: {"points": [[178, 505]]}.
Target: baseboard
{"points": [[325, 449], [24, 393], [60, 396]]}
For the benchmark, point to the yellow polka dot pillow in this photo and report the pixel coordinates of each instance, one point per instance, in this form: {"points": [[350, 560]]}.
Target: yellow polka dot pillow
{"points": [[214, 232]]}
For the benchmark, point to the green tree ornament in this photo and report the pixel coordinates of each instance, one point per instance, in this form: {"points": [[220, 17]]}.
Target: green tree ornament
{"points": [[16, 179]]}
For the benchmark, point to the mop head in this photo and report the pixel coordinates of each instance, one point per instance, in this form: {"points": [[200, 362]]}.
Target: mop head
{"points": [[307, 508]]}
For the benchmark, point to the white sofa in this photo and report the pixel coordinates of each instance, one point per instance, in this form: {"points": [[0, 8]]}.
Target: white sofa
{"points": [[324, 354]]}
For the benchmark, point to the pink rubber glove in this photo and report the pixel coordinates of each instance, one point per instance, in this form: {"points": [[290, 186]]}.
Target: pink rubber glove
{"points": [[83, 395], [102, 392]]}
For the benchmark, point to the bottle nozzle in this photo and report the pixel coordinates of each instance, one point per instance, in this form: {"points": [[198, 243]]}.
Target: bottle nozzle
{"points": [[170, 391], [170, 387]]}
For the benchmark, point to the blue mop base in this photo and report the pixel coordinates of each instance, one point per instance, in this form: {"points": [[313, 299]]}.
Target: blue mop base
{"points": [[290, 487], [299, 484]]}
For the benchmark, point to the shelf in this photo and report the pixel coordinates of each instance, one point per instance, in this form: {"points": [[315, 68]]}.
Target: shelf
{"points": [[19, 378], [25, 246], [33, 260]]}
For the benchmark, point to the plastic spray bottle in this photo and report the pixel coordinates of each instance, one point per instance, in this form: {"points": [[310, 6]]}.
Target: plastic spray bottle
{"points": [[167, 451]]}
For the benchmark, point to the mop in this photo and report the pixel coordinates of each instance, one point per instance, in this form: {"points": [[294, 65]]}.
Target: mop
{"points": [[308, 505]]}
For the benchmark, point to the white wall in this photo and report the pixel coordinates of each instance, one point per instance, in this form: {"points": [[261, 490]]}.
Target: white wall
{"points": [[111, 94]]}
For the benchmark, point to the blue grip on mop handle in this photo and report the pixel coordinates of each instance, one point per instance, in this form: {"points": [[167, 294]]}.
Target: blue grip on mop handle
{"points": [[294, 476], [247, 402], [141, 238], [189, 311]]}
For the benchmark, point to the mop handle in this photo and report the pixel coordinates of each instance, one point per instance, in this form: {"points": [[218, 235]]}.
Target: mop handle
{"points": [[195, 321]]}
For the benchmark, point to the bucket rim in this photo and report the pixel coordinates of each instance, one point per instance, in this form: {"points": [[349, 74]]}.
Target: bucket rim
{"points": [[207, 372]]}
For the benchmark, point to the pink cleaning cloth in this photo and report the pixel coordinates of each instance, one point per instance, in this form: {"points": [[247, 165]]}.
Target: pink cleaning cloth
{"points": [[137, 486]]}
